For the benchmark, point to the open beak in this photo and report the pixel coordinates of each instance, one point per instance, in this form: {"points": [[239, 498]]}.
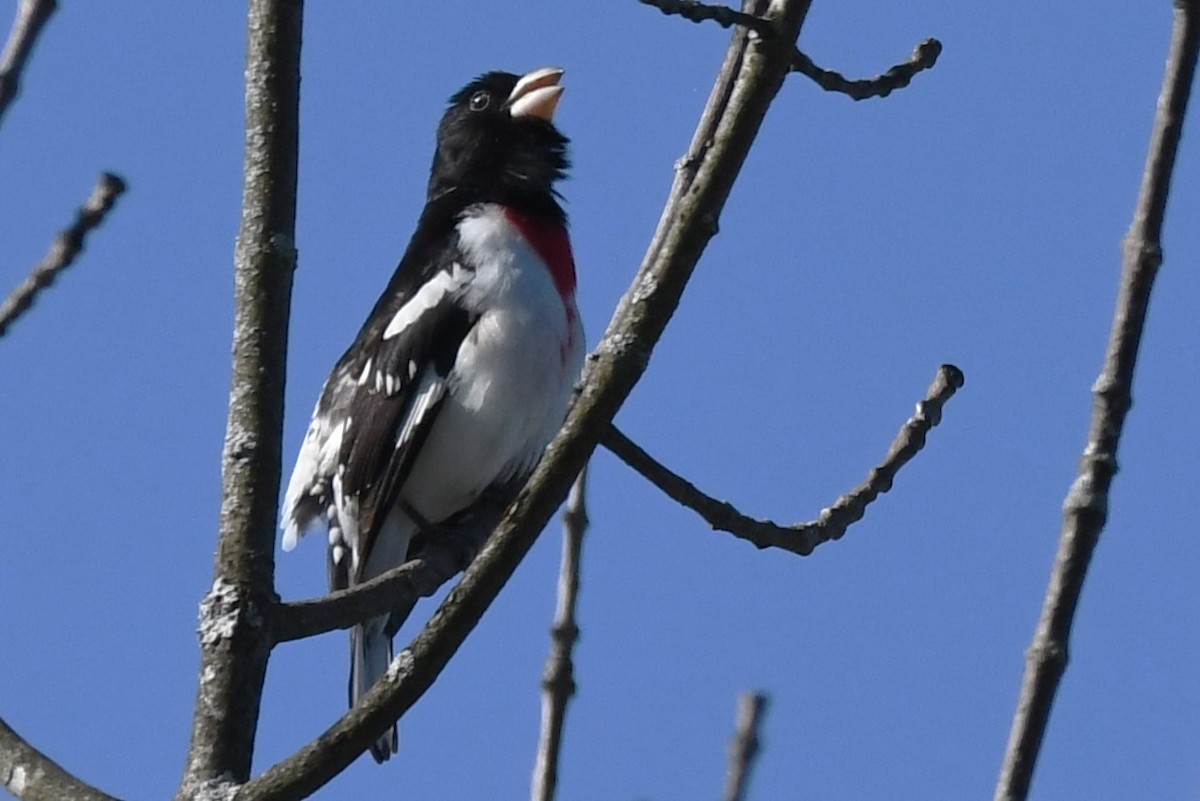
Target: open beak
{"points": [[536, 94]]}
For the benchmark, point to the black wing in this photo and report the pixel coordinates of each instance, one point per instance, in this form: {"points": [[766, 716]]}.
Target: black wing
{"points": [[395, 378], [393, 409]]}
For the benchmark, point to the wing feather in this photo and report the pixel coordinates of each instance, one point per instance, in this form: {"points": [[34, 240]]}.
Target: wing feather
{"points": [[393, 410]]}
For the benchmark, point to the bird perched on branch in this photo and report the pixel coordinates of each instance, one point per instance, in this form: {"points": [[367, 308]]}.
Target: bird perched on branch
{"points": [[464, 369]]}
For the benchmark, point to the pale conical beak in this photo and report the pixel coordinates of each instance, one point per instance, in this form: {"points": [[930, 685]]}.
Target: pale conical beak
{"points": [[536, 94]]}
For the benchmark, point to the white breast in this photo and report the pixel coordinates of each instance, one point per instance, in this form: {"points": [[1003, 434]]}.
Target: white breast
{"points": [[513, 377]]}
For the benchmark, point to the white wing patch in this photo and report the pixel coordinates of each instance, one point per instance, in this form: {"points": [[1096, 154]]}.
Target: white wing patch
{"points": [[426, 298], [318, 456], [365, 375], [347, 516], [431, 390]]}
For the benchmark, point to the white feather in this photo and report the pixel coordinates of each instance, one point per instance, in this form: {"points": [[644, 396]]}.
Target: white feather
{"points": [[318, 456], [426, 298], [426, 396], [365, 375]]}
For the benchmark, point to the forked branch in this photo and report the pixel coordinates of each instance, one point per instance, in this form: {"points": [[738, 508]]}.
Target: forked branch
{"points": [[831, 524]]}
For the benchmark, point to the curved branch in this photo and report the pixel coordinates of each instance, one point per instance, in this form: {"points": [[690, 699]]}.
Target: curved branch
{"points": [[923, 57], [32, 16], [1086, 507], [558, 680], [30, 775], [750, 79], [66, 247], [831, 524]]}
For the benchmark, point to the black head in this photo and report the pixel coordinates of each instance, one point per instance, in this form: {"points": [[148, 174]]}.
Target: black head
{"points": [[497, 143]]}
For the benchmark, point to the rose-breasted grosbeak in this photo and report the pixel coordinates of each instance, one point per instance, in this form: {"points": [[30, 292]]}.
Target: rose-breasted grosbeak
{"points": [[463, 371]]}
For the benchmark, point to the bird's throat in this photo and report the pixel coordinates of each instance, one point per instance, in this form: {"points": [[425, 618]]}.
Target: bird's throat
{"points": [[552, 244]]}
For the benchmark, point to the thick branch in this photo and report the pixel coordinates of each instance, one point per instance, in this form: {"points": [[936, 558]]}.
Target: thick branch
{"points": [[923, 57], [234, 645], [1086, 507], [30, 775], [66, 247], [32, 15], [831, 524], [745, 745], [751, 77], [558, 680]]}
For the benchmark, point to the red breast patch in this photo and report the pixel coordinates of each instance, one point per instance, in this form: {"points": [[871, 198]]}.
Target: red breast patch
{"points": [[552, 244]]}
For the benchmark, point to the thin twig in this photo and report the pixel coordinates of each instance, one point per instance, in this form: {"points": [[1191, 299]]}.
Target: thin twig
{"points": [[234, 645], [923, 57], [756, 71], [66, 247], [722, 15], [558, 680], [32, 16], [30, 775], [745, 746], [1086, 507], [831, 524]]}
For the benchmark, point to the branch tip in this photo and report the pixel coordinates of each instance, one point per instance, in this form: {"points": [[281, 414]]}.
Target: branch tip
{"points": [[64, 250], [924, 56], [746, 744], [834, 520]]}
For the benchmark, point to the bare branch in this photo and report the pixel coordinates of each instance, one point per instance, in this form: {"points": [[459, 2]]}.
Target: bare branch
{"points": [[745, 745], [233, 642], [923, 57], [1086, 507], [558, 680], [395, 592], [32, 776], [32, 16], [722, 15], [749, 80], [66, 247], [831, 524]]}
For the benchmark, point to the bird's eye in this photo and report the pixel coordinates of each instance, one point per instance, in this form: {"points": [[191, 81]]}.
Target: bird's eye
{"points": [[480, 101]]}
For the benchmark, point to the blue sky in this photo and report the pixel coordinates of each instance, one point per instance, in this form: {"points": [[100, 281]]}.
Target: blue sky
{"points": [[972, 218]]}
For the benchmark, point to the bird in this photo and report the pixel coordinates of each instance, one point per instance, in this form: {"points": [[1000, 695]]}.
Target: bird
{"points": [[463, 371]]}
